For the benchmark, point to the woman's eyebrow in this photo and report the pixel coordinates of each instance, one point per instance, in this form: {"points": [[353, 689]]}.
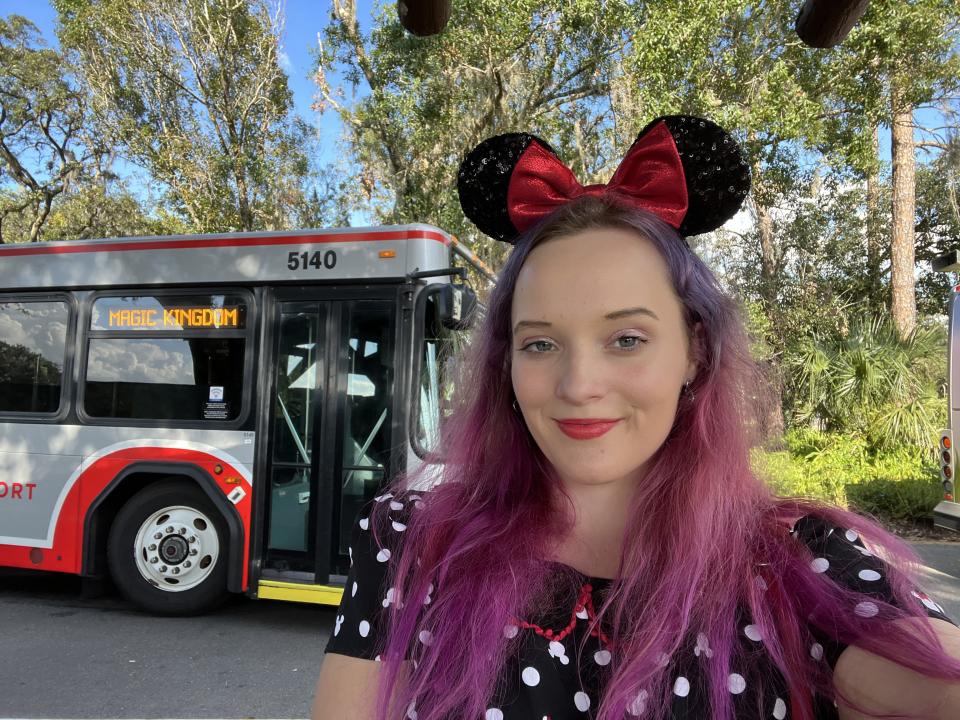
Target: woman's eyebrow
{"points": [[530, 324], [615, 315]]}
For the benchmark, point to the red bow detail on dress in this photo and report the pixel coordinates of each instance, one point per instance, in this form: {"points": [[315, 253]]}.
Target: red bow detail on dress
{"points": [[649, 177]]}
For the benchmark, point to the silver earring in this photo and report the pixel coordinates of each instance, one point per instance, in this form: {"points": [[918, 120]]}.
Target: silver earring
{"points": [[686, 392], [516, 408]]}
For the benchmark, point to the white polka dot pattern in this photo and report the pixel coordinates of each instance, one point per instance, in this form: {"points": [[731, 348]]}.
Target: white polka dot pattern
{"points": [[639, 704], [736, 684], [558, 651], [702, 647], [582, 701], [779, 709], [549, 667], [866, 609], [530, 676]]}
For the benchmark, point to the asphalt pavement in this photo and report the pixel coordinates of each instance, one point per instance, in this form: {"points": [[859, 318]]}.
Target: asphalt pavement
{"points": [[64, 655]]}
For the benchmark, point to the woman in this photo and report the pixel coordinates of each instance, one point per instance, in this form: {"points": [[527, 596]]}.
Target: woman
{"points": [[598, 546]]}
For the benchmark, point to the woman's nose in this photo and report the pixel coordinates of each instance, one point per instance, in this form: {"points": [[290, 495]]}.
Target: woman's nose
{"points": [[581, 378]]}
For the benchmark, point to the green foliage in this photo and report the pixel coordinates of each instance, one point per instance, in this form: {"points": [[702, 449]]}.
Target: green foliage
{"points": [[421, 104], [813, 465], [192, 91], [911, 499], [894, 484], [864, 380], [46, 147]]}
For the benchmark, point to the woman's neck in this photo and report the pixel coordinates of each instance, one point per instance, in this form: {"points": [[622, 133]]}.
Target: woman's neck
{"points": [[595, 541]]}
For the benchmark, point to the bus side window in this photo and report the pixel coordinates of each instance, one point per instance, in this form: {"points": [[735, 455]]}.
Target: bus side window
{"points": [[32, 351]]}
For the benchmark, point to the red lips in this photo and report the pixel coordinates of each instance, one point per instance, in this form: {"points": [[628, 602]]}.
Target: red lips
{"points": [[585, 428]]}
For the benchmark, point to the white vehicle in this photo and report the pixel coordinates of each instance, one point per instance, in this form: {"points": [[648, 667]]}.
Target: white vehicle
{"points": [[201, 414], [947, 512]]}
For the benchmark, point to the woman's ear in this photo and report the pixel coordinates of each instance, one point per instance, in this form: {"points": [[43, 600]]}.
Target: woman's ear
{"points": [[695, 351]]}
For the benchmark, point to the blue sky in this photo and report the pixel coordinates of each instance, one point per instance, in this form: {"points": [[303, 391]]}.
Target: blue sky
{"points": [[304, 19]]}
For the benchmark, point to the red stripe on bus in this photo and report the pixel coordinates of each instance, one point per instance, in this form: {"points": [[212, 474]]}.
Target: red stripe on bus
{"points": [[66, 553], [189, 243]]}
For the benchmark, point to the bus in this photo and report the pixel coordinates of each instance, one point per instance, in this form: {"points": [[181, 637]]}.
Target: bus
{"points": [[193, 416], [947, 512]]}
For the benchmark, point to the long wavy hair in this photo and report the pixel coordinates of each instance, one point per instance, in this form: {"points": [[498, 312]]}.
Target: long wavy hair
{"points": [[477, 546]]}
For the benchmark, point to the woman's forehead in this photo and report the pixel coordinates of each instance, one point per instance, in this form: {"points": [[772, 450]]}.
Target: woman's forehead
{"points": [[595, 273]]}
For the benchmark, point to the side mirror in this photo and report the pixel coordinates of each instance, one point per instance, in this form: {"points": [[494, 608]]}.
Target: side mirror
{"points": [[456, 305]]}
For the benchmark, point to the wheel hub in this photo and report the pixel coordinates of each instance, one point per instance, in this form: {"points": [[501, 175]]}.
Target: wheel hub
{"points": [[173, 549], [176, 548]]}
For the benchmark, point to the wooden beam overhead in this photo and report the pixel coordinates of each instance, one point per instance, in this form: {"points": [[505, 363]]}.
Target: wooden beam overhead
{"points": [[424, 17], [825, 23]]}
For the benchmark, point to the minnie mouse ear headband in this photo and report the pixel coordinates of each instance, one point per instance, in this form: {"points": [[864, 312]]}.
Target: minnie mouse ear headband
{"points": [[686, 170]]}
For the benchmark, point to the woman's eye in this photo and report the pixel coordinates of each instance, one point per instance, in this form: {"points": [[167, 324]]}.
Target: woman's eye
{"points": [[538, 346], [629, 342]]}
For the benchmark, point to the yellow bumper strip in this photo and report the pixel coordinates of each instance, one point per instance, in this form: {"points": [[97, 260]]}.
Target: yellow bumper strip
{"points": [[296, 592]]}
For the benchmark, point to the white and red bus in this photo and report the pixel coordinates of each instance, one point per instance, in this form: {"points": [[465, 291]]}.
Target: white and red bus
{"points": [[198, 415], [947, 512]]}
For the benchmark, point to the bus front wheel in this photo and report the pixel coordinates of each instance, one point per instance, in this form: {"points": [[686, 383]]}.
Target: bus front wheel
{"points": [[167, 550]]}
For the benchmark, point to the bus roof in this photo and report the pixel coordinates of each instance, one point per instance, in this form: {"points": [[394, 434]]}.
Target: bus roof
{"points": [[242, 258]]}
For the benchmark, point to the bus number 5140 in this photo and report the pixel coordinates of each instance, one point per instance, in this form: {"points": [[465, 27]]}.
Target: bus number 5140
{"points": [[317, 260]]}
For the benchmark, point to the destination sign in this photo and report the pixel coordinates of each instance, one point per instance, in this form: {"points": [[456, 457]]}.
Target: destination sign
{"points": [[175, 318], [169, 313]]}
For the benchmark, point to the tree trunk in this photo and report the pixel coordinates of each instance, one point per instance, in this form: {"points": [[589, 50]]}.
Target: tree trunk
{"points": [[40, 216], [768, 260], [903, 300], [875, 297]]}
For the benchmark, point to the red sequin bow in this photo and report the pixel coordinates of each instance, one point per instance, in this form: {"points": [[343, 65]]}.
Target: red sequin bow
{"points": [[649, 177]]}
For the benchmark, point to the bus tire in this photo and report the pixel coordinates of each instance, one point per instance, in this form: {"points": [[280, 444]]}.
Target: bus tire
{"points": [[167, 550]]}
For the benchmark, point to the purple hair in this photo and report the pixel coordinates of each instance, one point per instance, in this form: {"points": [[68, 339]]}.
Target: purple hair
{"points": [[482, 536]]}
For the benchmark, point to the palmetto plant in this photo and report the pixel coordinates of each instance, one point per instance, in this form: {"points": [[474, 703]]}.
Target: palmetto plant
{"points": [[870, 383]]}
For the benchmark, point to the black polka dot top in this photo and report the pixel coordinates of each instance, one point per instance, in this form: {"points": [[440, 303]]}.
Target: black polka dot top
{"points": [[547, 678]]}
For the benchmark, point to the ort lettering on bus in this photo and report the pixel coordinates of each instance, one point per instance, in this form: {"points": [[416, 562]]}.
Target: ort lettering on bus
{"points": [[14, 490]]}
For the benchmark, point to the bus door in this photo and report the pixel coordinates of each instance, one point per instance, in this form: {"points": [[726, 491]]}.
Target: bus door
{"points": [[331, 428]]}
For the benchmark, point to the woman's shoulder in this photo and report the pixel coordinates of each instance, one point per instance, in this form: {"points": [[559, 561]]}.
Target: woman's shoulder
{"points": [[381, 523], [376, 541], [860, 563]]}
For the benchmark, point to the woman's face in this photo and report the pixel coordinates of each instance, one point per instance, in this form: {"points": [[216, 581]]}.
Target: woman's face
{"points": [[598, 335]]}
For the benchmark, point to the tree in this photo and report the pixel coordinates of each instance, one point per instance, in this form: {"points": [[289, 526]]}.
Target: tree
{"points": [[938, 224], [192, 91], [422, 104], [46, 147], [870, 382], [900, 57]]}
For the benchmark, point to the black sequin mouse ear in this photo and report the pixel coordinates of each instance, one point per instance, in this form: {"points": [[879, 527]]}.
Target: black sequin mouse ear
{"points": [[483, 182], [716, 173], [686, 170]]}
